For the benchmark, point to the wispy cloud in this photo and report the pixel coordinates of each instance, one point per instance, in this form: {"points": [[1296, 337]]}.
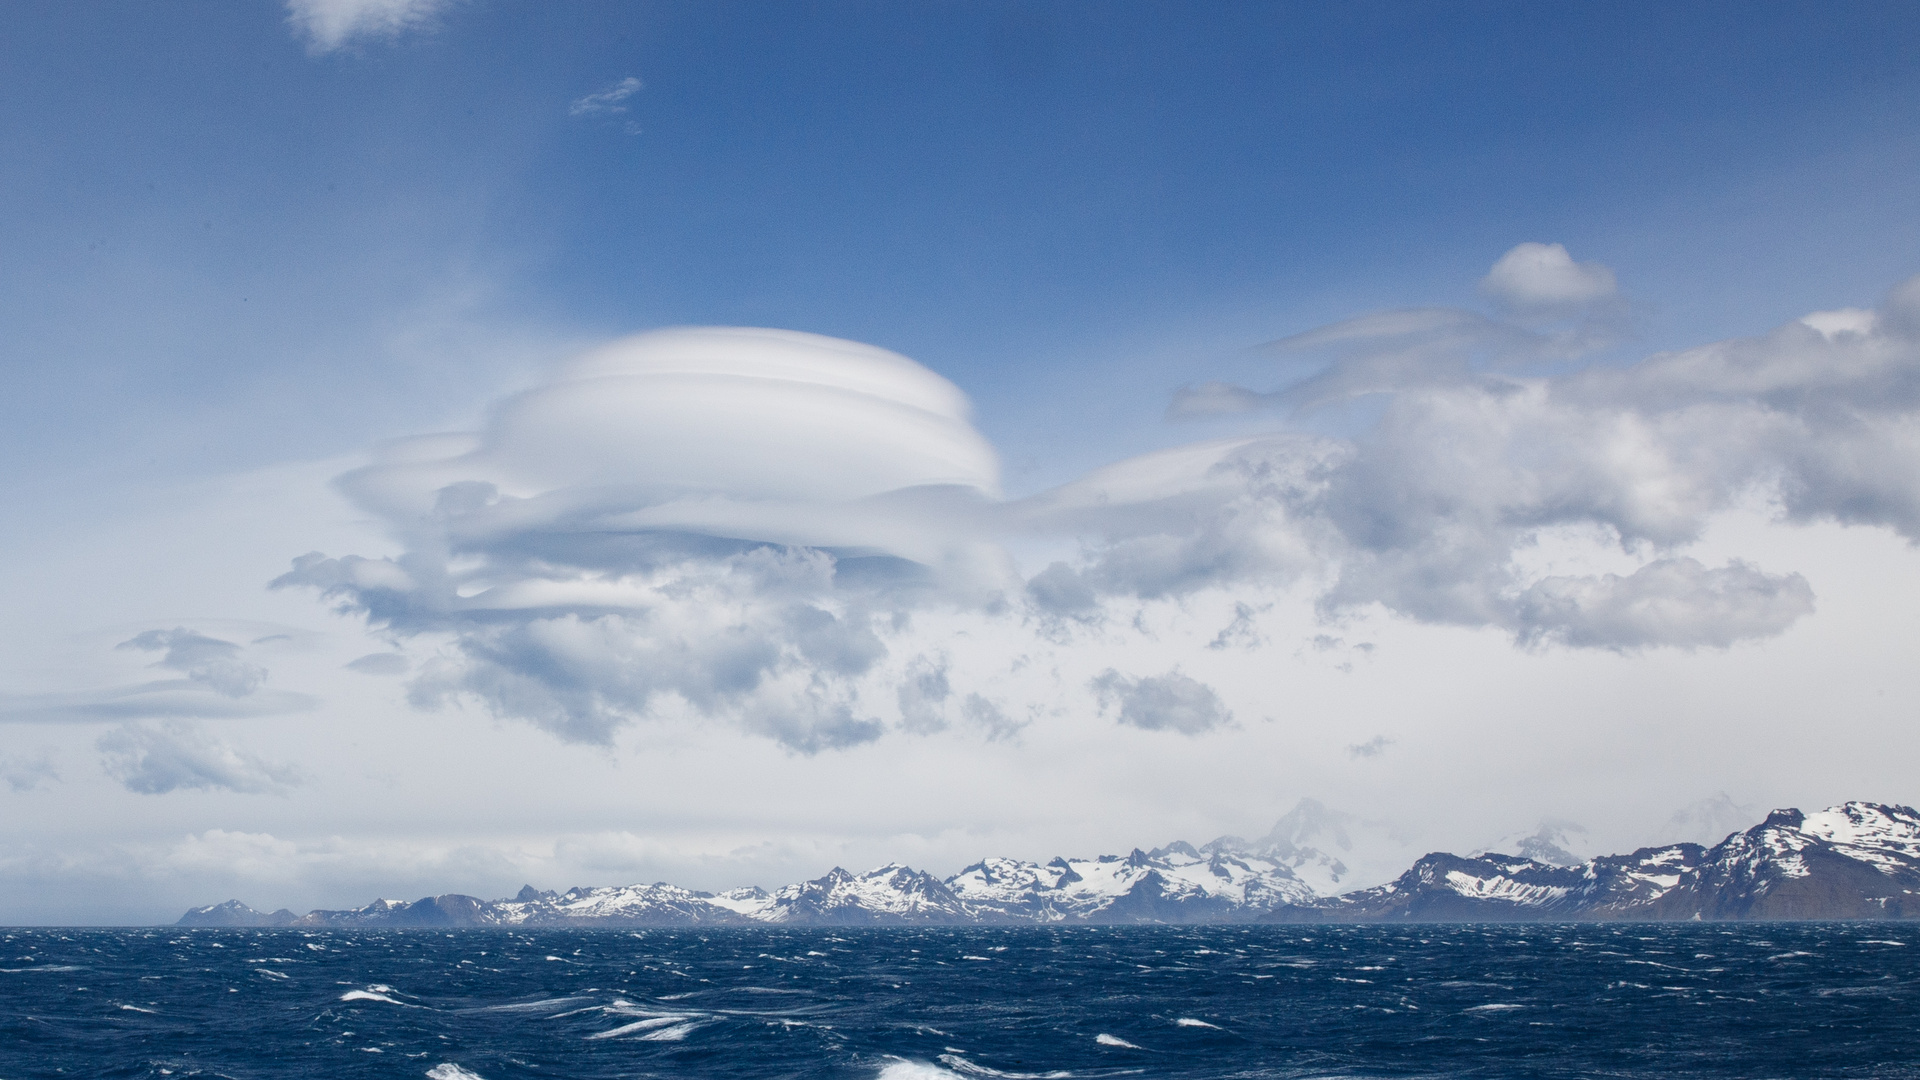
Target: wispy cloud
{"points": [[611, 101], [327, 25], [219, 683], [1372, 748], [154, 760], [24, 772], [207, 660]]}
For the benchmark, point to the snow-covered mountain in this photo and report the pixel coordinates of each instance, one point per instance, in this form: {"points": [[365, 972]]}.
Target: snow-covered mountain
{"points": [[1172, 884], [1855, 861], [1176, 883]]}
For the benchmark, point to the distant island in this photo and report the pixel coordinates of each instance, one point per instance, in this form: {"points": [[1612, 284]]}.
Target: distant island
{"points": [[1859, 860]]}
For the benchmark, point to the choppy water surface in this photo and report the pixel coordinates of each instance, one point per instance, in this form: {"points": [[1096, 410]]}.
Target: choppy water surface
{"points": [[923, 1004]]}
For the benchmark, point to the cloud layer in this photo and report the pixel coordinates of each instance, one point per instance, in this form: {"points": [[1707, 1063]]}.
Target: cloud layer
{"points": [[750, 525]]}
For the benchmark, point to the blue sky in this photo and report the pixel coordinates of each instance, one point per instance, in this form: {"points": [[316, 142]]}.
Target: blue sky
{"points": [[242, 245], [1064, 208]]}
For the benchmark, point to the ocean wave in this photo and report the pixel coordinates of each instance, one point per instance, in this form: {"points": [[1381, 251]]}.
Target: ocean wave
{"points": [[672, 1034], [902, 1069], [529, 1006], [378, 992], [640, 1025], [960, 1064]]}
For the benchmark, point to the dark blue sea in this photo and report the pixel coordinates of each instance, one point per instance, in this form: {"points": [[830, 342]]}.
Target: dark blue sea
{"points": [[1749, 1001]]}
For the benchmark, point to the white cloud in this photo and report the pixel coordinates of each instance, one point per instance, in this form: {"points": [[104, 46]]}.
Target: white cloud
{"points": [[329, 24], [173, 756], [1372, 748], [1543, 279], [611, 101], [203, 659], [703, 520], [27, 772], [1170, 702], [219, 684], [754, 527], [1711, 820], [385, 663]]}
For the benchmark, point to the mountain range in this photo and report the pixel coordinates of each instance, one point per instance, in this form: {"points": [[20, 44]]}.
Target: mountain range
{"points": [[1859, 860]]}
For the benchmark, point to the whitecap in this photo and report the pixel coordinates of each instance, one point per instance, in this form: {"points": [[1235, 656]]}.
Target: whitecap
{"points": [[639, 1025], [136, 1008], [902, 1069], [1496, 1007], [447, 1070], [672, 1034], [1105, 1039], [960, 1064], [1188, 1021], [523, 1006], [375, 992], [1882, 941]]}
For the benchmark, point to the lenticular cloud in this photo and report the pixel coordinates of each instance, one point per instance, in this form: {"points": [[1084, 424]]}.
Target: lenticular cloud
{"points": [[744, 525], [703, 519]]}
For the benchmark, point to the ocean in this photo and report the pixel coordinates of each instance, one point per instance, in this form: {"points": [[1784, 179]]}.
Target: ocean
{"points": [[1695, 1000]]}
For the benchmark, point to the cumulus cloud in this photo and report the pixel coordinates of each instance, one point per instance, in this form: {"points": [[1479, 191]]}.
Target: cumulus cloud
{"points": [[327, 25], [1543, 279], [988, 716], [1667, 598], [24, 772], [1170, 702], [923, 695], [1432, 512], [747, 525], [154, 760]]}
